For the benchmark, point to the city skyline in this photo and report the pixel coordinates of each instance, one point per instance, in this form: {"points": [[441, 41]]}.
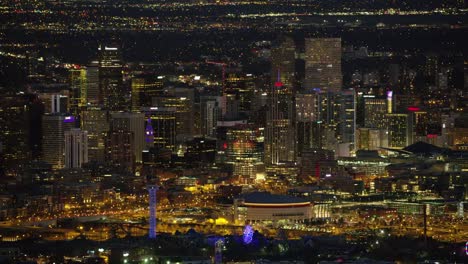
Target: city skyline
{"points": [[233, 132]]}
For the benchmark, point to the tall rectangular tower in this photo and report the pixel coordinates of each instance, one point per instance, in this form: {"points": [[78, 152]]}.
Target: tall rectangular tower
{"points": [[96, 122], [53, 143], [112, 93], [131, 122], [323, 64], [76, 148], [280, 140]]}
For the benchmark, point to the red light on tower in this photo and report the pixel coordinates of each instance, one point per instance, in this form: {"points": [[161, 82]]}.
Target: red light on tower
{"points": [[431, 135], [278, 84], [413, 108]]}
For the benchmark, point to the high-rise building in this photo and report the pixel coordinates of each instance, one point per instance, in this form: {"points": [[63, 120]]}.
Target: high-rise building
{"points": [[19, 129], [182, 101], [120, 149], [96, 122], [210, 112], [323, 64], [59, 103], [92, 85], [347, 119], [112, 92], [78, 89], [244, 150], [283, 64], [399, 130], [163, 121], [371, 139], [241, 87], [306, 119], [76, 148], [316, 164], [280, 143], [53, 140], [375, 110], [131, 122], [201, 150], [329, 117], [143, 91]]}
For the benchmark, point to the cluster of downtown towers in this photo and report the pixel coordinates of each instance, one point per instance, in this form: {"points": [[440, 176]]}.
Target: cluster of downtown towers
{"points": [[100, 121]]}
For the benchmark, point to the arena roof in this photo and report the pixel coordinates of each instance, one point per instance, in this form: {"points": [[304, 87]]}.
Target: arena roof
{"points": [[268, 198]]}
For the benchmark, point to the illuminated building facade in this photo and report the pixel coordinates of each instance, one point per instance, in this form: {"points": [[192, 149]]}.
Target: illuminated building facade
{"points": [[371, 139], [53, 143], [119, 149], [143, 90], [96, 122], [399, 131], [316, 164], [283, 61], [241, 87], [210, 113], [265, 207], [78, 89], [460, 138], [323, 64], [347, 114], [181, 100], [76, 148], [131, 122], [59, 103], [112, 92], [306, 121], [163, 121], [244, 150], [280, 135], [92, 85], [375, 111]]}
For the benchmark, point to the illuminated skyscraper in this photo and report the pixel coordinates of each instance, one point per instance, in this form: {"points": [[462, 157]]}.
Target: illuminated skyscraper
{"points": [[53, 140], [371, 139], [210, 112], [112, 92], [244, 150], [78, 89], [163, 121], [241, 87], [143, 91], [120, 147], [375, 111], [131, 122], [76, 148], [283, 61], [347, 116], [280, 132], [306, 119], [96, 122], [399, 130], [323, 64], [92, 85], [59, 103], [181, 100]]}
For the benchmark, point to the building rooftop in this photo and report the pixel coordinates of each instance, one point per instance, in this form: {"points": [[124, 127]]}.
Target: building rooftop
{"points": [[265, 197]]}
